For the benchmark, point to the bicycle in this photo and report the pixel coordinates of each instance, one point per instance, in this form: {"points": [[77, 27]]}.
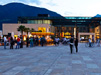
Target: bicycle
{"points": [[90, 45]]}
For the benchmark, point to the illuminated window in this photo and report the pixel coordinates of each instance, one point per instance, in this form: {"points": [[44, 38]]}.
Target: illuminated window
{"points": [[39, 21], [43, 29], [35, 21]]}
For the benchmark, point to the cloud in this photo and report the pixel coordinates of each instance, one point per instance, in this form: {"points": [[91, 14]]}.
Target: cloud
{"points": [[33, 1], [65, 7], [68, 13]]}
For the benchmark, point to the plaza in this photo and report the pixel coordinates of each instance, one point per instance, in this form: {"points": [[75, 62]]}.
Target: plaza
{"points": [[50, 60]]}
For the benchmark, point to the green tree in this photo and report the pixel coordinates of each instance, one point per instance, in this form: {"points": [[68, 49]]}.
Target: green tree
{"points": [[32, 30], [27, 30], [21, 28], [40, 31]]}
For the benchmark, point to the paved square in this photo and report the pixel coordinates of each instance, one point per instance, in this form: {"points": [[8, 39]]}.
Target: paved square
{"points": [[93, 66], [50, 60]]}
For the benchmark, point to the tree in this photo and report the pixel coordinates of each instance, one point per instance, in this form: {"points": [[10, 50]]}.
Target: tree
{"points": [[32, 30], [39, 30], [27, 30], [21, 28]]}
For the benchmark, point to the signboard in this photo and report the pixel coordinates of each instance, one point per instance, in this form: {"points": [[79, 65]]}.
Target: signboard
{"points": [[43, 29]]}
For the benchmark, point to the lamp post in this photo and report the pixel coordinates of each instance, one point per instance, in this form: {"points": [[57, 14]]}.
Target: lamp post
{"points": [[75, 30]]}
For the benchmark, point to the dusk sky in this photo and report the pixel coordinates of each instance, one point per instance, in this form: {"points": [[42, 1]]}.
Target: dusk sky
{"points": [[65, 7]]}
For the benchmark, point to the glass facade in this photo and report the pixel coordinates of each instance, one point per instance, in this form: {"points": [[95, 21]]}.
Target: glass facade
{"points": [[38, 21], [65, 24]]}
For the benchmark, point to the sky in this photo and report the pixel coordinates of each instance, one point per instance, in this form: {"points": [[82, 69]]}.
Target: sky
{"points": [[65, 7]]}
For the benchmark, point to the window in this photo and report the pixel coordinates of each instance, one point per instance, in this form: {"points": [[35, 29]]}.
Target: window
{"points": [[39, 21]]}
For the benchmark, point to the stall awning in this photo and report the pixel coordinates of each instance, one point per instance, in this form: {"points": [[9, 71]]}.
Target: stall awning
{"points": [[42, 33]]}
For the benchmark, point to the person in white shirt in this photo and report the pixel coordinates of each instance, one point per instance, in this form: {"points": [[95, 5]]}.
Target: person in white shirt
{"points": [[89, 42], [98, 42], [5, 41], [57, 41]]}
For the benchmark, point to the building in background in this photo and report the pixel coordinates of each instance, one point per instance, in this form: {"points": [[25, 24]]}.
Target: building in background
{"points": [[81, 27], [1, 35]]}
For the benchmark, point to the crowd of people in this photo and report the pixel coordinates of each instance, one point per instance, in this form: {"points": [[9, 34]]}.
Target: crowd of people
{"points": [[34, 41], [72, 42], [18, 42], [92, 42]]}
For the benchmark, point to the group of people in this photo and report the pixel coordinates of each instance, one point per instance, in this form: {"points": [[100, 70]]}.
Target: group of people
{"points": [[18, 42], [71, 41], [35, 41], [92, 41]]}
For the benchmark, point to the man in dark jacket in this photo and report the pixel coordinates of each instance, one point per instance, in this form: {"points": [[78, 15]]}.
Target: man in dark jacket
{"points": [[42, 41], [76, 44], [71, 44], [27, 41]]}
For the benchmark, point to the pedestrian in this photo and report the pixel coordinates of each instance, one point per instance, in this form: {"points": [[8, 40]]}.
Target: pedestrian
{"points": [[18, 42], [37, 41], [15, 42], [56, 41], [21, 41], [11, 42], [5, 42], [76, 44], [89, 42], [31, 42], [71, 44], [42, 41], [98, 42], [27, 41]]}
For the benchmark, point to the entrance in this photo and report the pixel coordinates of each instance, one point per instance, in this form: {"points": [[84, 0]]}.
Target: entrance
{"points": [[83, 37]]}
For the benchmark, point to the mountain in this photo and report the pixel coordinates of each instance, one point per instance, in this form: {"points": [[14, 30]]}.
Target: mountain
{"points": [[10, 12], [98, 15]]}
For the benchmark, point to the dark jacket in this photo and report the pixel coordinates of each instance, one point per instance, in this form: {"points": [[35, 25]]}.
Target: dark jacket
{"points": [[76, 42], [71, 40]]}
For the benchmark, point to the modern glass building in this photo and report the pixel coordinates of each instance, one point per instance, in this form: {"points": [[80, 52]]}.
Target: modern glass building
{"points": [[68, 26]]}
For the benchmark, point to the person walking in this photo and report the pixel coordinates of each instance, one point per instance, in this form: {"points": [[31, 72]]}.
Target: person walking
{"points": [[98, 42], [11, 42], [5, 41], [42, 41], [21, 41], [18, 42], [37, 41], [71, 44], [31, 42], [89, 42], [76, 44], [27, 41], [15, 42], [57, 41]]}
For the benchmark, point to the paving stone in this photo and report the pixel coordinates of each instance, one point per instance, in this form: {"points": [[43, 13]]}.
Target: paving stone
{"points": [[50, 60], [15, 70], [76, 62], [87, 58], [94, 74], [94, 66]]}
